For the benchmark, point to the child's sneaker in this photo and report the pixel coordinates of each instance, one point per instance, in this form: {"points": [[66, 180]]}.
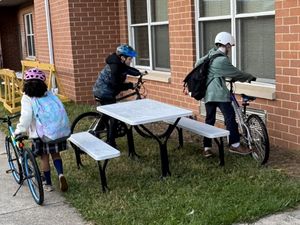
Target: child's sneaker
{"points": [[63, 185], [48, 187], [207, 152]]}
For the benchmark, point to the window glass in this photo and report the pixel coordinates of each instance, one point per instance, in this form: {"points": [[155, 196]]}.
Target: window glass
{"points": [[149, 35], [208, 32], [256, 46], [160, 37], [159, 10], [253, 27], [29, 34], [142, 46], [138, 11], [214, 7], [29, 46], [251, 6], [28, 24]]}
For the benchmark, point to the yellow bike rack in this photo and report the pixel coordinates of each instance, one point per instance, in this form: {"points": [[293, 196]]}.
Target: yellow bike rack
{"points": [[52, 80], [11, 87], [10, 90]]}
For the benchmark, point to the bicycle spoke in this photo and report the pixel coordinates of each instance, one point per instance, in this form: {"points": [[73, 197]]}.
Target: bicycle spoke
{"points": [[260, 139]]}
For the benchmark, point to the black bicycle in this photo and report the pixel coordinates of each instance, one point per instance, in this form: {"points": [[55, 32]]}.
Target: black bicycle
{"points": [[22, 163], [91, 121]]}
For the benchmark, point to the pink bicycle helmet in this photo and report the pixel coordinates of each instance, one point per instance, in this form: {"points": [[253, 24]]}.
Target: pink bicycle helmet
{"points": [[36, 74]]}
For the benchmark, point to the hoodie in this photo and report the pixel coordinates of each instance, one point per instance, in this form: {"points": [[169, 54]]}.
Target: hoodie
{"points": [[111, 79]]}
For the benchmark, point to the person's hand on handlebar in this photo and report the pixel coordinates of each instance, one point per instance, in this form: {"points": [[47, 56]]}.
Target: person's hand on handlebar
{"points": [[144, 73], [252, 79]]}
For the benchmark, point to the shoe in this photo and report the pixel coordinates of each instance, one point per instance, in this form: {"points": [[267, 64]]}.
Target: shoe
{"points": [[63, 185], [48, 187], [242, 150], [207, 152]]}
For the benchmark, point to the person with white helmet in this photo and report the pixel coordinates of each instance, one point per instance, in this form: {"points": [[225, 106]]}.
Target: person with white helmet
{"points": [[111, 81], [217, 94]]}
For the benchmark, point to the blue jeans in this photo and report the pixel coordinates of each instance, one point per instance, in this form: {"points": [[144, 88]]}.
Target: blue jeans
{"points": [[229, 120]]}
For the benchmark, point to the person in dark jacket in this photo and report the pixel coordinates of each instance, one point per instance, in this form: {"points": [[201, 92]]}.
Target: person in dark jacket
{"points": [[111, 81], [217, 94]]}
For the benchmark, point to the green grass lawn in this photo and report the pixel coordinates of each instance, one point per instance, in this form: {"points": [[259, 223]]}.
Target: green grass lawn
{"points": [[198, 192]]}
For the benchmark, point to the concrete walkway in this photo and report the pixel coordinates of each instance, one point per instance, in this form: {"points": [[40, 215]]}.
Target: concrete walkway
{"points": [[286, 218], [22, 210]]}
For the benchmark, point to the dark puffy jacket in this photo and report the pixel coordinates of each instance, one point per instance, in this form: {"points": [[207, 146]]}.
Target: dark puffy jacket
{"points": [[111, 79]]}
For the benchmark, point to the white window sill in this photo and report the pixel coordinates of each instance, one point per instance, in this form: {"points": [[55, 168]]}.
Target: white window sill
{"points": [[256, 89], [164, 77], [30, 58]]}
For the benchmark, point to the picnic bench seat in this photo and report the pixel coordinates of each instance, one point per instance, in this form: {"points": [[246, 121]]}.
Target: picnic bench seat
{"points": [[204, 130], [95, 148]]}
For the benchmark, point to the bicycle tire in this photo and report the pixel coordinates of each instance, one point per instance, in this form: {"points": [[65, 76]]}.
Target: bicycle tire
{"points": [[260, 139], [33, 177], [13, 160]]}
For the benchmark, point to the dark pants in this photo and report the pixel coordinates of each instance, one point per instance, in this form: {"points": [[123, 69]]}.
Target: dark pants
{"points": [[111, 122], [229, 120]]}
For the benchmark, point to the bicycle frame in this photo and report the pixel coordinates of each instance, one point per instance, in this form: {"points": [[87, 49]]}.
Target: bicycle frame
{"points": [[139, 85], [241, 119], [22, 162]]}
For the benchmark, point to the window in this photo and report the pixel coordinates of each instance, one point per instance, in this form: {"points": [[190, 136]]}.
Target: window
{"points": [[149, 33], [29, 35], [252, 23]]}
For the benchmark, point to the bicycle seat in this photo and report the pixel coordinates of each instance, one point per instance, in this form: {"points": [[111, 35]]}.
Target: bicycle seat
{"points": [[247, 98], [21, 137]]}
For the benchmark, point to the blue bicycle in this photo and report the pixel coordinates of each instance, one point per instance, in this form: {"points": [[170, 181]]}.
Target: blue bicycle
{"points": [[22, 163]]}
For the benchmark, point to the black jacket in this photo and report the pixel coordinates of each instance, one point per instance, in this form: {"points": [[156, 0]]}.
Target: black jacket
{"points": [[111, 79]]}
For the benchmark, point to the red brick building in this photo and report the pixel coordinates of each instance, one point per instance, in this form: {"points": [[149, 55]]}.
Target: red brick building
{"points": [[169, 36]]}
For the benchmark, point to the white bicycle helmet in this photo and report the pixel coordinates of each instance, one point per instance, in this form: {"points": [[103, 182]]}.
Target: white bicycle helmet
{"points": [[224, 38]]}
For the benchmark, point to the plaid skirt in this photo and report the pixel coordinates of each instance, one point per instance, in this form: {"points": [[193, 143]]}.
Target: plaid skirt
{"points": [[40, 148]]}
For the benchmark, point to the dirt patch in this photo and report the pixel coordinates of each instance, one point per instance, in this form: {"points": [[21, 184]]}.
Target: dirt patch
{"points": [[287, 161]]}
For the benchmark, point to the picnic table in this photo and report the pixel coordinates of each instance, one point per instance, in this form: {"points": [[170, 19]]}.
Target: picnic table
{"points": [[144, 111]]}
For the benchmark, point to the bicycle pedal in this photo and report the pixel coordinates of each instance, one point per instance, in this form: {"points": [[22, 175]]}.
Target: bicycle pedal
{"points": [[8, 171]]}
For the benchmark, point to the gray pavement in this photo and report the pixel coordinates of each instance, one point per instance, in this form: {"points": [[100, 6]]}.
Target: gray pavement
{"points": [[22, 210]]}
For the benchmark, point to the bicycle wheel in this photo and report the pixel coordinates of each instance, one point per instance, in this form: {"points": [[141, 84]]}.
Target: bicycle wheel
{"points": [[33, 177], [13, 160], [260, 139], [90, 122]]}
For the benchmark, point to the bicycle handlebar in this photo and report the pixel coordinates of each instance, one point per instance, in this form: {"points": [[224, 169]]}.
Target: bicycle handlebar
{"points": [[8, 118], [144, 73]]}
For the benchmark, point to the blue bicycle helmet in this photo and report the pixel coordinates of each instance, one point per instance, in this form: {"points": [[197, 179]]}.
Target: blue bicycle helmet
{"points": [[126, 50]]}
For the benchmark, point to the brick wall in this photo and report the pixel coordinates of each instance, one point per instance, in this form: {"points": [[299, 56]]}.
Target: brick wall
{"points": [[9, 32], [182, 51], [62, 46], [284, 113], [95, 34]]}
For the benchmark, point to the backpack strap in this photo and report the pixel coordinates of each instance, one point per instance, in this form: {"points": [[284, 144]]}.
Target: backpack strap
{"points": [[211, 59]]}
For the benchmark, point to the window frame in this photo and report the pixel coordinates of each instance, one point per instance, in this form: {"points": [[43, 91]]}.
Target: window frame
{"points": [[233, 17], [149, 25], [29, 32]]}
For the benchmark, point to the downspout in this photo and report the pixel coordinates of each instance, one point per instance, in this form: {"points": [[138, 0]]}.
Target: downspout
{"points": [[49, 35]]}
